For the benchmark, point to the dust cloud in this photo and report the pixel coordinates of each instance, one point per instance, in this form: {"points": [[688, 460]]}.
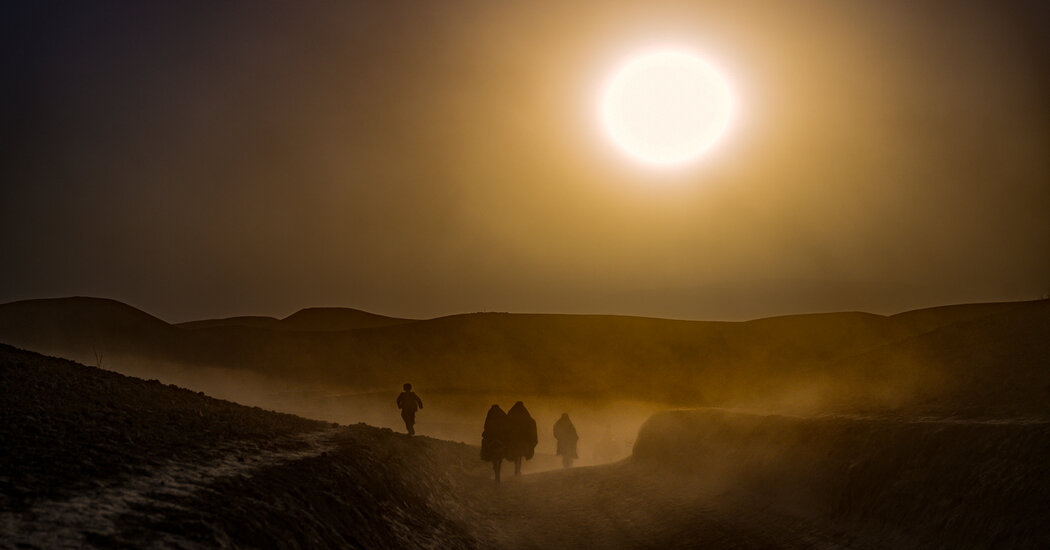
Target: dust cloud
{"points": [[863, 473], [607, 426]]}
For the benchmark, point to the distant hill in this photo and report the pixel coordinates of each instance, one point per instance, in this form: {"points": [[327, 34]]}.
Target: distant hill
{"points": [[849, 360], [79, 326], [924, 320], [993, 364], [244, 321], [315, 319], [338, 318]]}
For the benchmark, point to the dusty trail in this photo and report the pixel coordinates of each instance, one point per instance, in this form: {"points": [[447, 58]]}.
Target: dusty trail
{"points": [[630, 506], [74, 522], [729, 480]]}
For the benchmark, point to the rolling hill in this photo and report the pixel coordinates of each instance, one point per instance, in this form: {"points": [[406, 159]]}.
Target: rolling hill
{"points": [[940, 358], [315, 318]]}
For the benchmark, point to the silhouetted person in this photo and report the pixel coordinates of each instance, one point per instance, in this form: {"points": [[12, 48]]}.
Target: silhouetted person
{"points": [[521, 430], [409, 402], [494, 439], [565, 433]]}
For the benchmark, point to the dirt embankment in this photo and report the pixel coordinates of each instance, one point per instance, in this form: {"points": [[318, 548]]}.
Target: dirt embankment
{"points": [[887, 481], [369, 488], [67, 426], [95, 458]]}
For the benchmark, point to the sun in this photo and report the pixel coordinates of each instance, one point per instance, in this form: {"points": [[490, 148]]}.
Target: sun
{"points": [[667, 107]]}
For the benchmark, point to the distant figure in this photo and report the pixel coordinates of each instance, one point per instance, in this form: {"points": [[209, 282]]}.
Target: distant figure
{"points": [[494, 439], [565, 433], [409, 402], [521, 430]]}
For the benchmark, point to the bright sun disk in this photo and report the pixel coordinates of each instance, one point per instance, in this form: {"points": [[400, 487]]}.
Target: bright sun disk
{"points": [[666, 108]]}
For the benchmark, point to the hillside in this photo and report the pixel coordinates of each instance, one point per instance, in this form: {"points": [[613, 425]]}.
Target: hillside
{"points": [[80, 326], [310, 319], [94, 458], [802, 362], [243, 321], [887, 482], [67, 425], [993, 365]]}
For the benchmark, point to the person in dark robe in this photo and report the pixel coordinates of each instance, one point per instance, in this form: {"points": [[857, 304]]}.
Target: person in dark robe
{"points": [[565, 433], [494, 439], [409, 403], [521, 429]]}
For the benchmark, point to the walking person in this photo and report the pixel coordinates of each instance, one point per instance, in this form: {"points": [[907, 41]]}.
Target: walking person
{"points": [[409, 403], [567, 438], [494, 439], [521, 429]]}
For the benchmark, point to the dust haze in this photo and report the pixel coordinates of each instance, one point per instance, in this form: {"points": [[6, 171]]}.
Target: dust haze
{"points": [[608, 425], [606, 415]]}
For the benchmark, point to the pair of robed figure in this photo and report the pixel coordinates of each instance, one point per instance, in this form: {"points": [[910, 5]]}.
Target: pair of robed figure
{"points": [[509, 436]]}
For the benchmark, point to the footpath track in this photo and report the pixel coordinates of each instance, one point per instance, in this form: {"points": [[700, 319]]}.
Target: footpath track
{"points": [[75, 522]]}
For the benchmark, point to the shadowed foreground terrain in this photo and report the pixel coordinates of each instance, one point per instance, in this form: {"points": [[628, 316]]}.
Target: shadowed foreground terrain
{"points": [[898, 482], [94, 458]]}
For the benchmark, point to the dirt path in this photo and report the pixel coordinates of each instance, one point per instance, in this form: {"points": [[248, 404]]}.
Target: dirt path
{"points": [[625, 506], [70, 523]]}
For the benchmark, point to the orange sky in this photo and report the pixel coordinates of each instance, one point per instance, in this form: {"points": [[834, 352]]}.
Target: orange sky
{"points": [[426, 159]]}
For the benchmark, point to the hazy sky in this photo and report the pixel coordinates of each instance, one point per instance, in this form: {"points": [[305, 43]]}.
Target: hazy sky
{"points": [[427, 158]]}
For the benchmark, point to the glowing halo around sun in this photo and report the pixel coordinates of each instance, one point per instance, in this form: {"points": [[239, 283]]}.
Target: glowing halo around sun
{"points": [[666, 108]]}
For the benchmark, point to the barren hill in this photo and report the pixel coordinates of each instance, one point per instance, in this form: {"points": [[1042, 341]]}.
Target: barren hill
{"points": [[853, 360], [252, 321], [314, 318], [81, 324], [988, 365]]}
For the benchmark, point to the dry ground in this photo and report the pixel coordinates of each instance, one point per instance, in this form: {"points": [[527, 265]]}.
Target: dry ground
{"points": [[96, 459]]}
